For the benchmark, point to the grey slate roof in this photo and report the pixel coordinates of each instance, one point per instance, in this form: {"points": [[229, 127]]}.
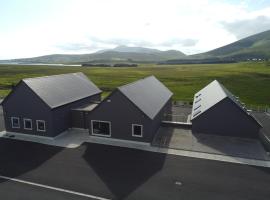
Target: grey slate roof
{"points": [[148, 94], [210, 95], [58, 90]]}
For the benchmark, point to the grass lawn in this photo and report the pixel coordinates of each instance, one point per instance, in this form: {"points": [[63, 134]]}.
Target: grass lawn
{"points": [[249, 81]]}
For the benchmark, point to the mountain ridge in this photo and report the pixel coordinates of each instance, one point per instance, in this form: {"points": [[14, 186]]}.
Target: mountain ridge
{"points": [[253, 47], [118, 54], [257, 45]]}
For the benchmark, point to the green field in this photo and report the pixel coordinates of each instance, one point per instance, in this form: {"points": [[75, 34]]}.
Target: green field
{"points": [[249, 81]]}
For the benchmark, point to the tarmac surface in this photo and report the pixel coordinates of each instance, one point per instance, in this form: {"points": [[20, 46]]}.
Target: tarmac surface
{"points": [[184, 139], [11, 190], [122, 173]]}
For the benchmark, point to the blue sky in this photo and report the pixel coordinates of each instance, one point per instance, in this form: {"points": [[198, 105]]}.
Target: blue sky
{"points": [[33, 27]]}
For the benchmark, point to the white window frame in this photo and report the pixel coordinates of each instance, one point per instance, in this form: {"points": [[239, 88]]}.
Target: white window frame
{"points": [[133, 130], [92, 130], [24, 120], [12, 124], [43, 121]]}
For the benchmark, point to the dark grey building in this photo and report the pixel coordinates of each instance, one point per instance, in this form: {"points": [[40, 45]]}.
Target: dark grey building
{"points": [[131, 112], [42, 106], [217, 111]]}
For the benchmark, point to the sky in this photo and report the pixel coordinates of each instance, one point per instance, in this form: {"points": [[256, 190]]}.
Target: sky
{"points": [[30, 28]]}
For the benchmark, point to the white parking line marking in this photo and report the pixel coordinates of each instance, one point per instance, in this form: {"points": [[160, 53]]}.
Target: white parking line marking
{"points": [[53, 188]]}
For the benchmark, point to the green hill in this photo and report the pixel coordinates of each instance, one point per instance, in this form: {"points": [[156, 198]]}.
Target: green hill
{"points": [[253, 47], [116, 55], [256, 46]]}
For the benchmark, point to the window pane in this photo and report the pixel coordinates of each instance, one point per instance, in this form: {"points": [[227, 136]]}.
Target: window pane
{"points": [[15, 123], [41, 125], [137, 130], [102, 128], [28, 124]]}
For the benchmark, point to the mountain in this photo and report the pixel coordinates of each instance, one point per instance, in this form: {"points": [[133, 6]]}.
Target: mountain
{"points": [[124, 48], [119, 54], [255, 46]]}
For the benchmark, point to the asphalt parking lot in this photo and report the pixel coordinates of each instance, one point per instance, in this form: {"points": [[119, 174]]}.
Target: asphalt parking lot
{"points": [[121, 173], [12, 190], [183, 138]]}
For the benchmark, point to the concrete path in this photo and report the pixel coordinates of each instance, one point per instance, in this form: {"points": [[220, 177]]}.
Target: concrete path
{"points": [[264, 119], [72, 138], [179, 113], [75, 137]]}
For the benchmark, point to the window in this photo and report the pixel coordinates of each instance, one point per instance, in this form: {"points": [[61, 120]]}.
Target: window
{"points": [[196, 113], [137, 130], [15, 122], [198, 100], [198, 95], [101, 128], [41, 125], [27, 124], [197, 107]]}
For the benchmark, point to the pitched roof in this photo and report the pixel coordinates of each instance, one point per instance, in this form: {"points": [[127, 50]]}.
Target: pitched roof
{"points": [[58, 90], [148, 94], [210, 95]]}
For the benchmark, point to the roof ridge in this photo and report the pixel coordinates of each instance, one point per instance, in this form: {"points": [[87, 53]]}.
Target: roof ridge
{"points": [[134, 82], [81, 85]]}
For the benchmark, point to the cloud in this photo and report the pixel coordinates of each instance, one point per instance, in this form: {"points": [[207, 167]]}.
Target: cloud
{"points": [[76, 47], [182, 42], [247, 27], [85, 26], [95, 44]]}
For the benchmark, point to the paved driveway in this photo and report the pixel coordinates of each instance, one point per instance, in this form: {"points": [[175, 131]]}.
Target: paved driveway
{"points": [[264, 119], [180, 138], [126, 174], [179, 113]]}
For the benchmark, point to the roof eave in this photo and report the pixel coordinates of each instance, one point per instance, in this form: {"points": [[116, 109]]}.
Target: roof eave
{"points": [[57, 106]]}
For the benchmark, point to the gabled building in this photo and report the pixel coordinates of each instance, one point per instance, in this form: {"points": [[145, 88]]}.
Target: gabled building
{"points": [[42, 106], [131, 112], [217, 111]]}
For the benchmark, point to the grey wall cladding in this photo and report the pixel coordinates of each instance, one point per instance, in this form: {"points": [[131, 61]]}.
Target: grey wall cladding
{"points": [[25, 104], [122, 114], [226, 118]]}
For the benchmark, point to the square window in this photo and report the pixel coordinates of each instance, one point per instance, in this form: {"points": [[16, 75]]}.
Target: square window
{"points": [[101, 128], [27, 124], [41, 125], [137, 130], [15, 122]]}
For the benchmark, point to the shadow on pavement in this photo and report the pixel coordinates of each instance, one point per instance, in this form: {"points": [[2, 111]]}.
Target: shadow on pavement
{"points": [[230, 146], [163, 138], [123, 170], [20, 157]]}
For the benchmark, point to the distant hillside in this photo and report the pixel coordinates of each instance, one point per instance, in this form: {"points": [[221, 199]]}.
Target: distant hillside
{"points": [[123, 48], [256, 46], [253, 47], [116, 55]]}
